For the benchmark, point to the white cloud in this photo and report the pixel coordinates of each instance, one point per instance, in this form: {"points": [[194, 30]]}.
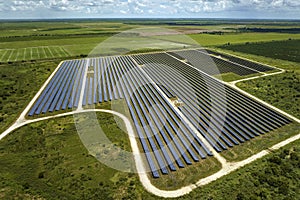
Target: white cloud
{"points": [[145, 7], [123, 12]]}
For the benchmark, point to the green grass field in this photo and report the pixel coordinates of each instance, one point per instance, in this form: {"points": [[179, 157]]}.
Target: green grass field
{"points": [[33, 53], [18, 85], [282, 91], [52, 163]]}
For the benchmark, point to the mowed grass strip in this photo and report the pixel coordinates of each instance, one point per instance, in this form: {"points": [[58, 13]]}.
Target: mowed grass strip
{"points": [[42, 52], [14, 55], [3, 52], [7, 56], [63, 52], [32, 53], [35, 53]]}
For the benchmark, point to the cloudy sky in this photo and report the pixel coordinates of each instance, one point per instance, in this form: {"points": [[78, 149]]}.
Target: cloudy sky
{"points": [[279, 9]]}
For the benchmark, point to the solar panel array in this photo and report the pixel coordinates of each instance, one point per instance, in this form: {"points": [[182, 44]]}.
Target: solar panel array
{"points": [[168, 141], [243, 117], [211, 65], [63, 91], [242, 62], [102, 82]]}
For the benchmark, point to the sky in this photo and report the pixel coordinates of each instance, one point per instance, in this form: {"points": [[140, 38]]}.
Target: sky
{"points": [[46, 9]]}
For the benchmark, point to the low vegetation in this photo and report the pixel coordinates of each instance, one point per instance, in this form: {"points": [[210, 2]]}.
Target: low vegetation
{"points": [[282, 91], [18, 85], [228, 77], [145, 50], [47, 160]]}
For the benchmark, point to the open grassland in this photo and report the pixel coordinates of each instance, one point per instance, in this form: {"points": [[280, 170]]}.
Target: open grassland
{"points": [[206, 39], [52, 163], [18, 85], [15, 30], [282, 91], [284, 50]]}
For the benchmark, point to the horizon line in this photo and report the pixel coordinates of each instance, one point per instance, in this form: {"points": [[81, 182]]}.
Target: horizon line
{"points": [[148, 18]]}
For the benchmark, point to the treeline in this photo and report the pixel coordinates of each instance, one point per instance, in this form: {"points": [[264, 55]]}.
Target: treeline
{"points": [[269, 30], [281, 49]]}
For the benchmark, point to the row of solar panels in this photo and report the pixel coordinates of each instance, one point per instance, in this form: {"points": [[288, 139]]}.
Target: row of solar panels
{"points": [[63, 91], [211, 65], [102, 82], [222, 115], [100, 87], [242, 62]]}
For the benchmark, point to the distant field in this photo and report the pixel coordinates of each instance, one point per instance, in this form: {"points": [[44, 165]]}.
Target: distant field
{"points": [[32, 53], [62, 47], [12, 29], [284, 50], [39, 40]]}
